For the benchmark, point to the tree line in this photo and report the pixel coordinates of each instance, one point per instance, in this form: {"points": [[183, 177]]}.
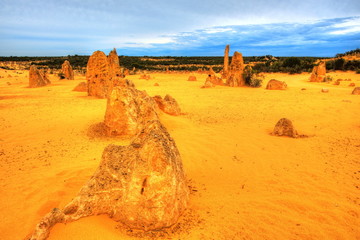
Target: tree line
{"points": [[266, 63]]}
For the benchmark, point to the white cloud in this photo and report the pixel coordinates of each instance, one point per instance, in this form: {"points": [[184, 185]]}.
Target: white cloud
{"points": [[217, 30], [349, 26]]}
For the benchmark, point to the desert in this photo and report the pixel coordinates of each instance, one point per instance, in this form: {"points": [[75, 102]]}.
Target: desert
{"points": [[179, 120], [244, 182]]}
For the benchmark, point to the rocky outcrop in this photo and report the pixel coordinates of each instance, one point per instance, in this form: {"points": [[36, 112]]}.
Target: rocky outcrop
{"points": [[235, 77], [192, 78], [141, 185], [98, 75], [67, 70], [37, 77], [168, 105], [208, 83], [127, 111], [145, 76], [102, 73], [114, 64], [122, 82], [215, 80], [284, 127], [324, 90], [81, 87], [226, 62], [356, 91], [274, 84], [318, 73]]}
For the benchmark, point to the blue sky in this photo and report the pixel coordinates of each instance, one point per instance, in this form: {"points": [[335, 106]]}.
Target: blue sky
{"points": [[179, 27]]}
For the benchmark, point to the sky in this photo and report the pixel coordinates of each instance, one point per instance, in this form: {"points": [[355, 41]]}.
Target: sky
{"points": [[320, 28]]}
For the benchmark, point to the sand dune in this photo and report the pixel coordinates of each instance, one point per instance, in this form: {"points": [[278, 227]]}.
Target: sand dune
{"points": [[246, 183]]}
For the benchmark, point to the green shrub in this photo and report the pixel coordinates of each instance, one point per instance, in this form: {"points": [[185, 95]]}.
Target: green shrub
{"points": [[61, 76], [252, 79], [328, 78]]}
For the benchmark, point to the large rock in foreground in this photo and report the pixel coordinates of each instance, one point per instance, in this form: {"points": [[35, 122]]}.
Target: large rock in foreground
{"points": [[141, 185], [67, 70], [37, 77], [168, 105], [319, 73], [127, 111], [274, 84], [98, 75]]}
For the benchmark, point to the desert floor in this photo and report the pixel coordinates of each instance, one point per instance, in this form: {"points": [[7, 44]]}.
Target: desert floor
{"points": [[245, 183]]}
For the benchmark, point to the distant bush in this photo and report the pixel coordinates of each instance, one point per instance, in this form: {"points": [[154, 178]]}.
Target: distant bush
{"points": [[6, 68], [290, 65], [328, 78], [358, 71], [252, 78], [339, 64], [61, 76]]}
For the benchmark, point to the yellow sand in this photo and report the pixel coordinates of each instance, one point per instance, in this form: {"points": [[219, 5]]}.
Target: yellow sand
{"points": [[246, 184]]}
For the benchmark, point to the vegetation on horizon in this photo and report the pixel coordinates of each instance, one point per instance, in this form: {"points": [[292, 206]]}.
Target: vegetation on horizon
{"points": [[259, 64]]}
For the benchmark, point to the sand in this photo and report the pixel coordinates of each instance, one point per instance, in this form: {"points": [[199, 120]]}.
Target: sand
{"points": [[245, 183]]}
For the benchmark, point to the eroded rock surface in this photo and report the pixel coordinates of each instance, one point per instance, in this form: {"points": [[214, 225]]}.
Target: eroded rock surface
{"points": [[235, 77], [81, 87], [98, 75], [192, 78], [127, 111], [284, 127], [168, 104], [37, 77], [67, 70], [141, 185], [274, 84], [226, 62], [356, 91], [114, 64], [318, 73]]}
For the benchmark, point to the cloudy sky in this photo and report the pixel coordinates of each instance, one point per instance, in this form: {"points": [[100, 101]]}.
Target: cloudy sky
{"points": [[179, 27]]}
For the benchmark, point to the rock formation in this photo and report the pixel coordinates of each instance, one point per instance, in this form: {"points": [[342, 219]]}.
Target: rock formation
{"points": [[141, 185], [213, 78], [81, 87], [145, 76], [102, 73], [98, 75], [226, 62], [208, 83], [127, 111], [274, 84], [356, 91], [192, 78], [122, 82], [284, 127], [168, 105], [352, 85], [156, 84], [318, 73], [37, 77], [324, 90], [67, 70], [235, 77], [114, 64]]}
